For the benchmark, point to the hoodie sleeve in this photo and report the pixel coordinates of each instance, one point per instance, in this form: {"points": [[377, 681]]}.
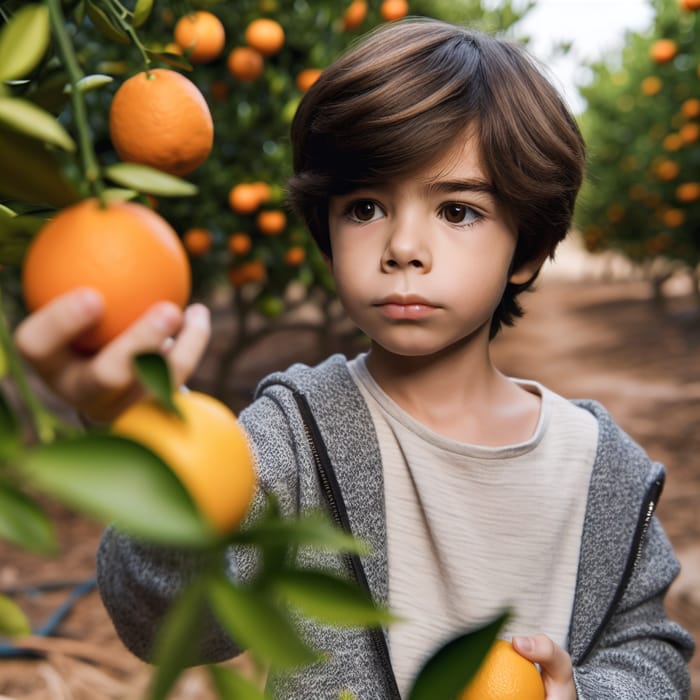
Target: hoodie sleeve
{"points": [[138, 581], [641, 652]]}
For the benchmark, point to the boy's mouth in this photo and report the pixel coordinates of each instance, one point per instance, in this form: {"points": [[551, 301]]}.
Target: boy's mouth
{"points": [[405, 307]]}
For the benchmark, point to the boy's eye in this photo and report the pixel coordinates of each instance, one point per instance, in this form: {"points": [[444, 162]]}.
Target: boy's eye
{"points": [[455, 213], [364, 210]]}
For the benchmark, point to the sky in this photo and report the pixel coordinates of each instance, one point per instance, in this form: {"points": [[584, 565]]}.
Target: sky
{"points": [[593, 26]]}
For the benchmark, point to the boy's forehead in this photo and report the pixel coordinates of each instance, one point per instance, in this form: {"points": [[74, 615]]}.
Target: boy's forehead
{"points": [[461, 161]]}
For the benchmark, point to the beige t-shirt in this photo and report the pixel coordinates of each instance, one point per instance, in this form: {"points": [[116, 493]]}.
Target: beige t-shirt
{"points": [[472, 530]]}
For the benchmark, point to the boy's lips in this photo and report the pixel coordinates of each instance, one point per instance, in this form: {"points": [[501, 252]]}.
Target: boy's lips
{"points": [[405, 307]]}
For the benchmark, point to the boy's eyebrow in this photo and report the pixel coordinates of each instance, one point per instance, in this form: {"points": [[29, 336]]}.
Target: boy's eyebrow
{"points": [[469, 185]]}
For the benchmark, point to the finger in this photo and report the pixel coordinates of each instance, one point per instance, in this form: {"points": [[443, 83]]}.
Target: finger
{"points": [[185, 351], [112, 368], [44, 336], [553, 660]]}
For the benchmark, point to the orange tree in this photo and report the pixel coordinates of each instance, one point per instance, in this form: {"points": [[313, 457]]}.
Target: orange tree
{"points": [[642, 124]]}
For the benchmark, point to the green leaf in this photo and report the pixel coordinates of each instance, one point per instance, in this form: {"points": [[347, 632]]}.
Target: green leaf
{"points": [[312, 530], [154, 373], [115, 479], [257, 624], [142, 11], [330, 599], [231, 685], [24, 523], [104, 26], [29, 172], [88, 83], [146, 179], [23, 41], [174, 649], [172, 59], [10, 429], [16, 233], [118, 194], [13, 622], [450, 669], [25, 117]]}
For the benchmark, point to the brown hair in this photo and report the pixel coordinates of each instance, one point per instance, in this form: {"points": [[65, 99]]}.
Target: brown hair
{"points": [[400, 98]]}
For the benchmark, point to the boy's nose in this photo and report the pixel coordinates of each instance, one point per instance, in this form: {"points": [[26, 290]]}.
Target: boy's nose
{"points": [[406, 248]]}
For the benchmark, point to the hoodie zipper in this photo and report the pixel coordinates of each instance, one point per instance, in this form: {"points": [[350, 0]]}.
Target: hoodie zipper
{"points": [[646, 515], [336, 505]]}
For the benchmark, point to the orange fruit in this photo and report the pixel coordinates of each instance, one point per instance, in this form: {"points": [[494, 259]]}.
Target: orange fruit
{"points": [[673, 142], [307, 78], [690, 133], [673, 218], [295, 256], [505, 675], [160, 118], [126, 251], [205, 447], [392, 10], [197, 241], [271, 222], [265, 35], [691, 5], [663, 50], [651, 85], [201, 36], [239, 243], [253, 271], [245, 64], [691, 108], [245, 198], [667, 170], [355, 14], [688, 192]]}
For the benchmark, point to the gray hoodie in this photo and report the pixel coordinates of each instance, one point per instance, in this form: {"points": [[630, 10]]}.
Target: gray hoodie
{"points": [[621, 642]]}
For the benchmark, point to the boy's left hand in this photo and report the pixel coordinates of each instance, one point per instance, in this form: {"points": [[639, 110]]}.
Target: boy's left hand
{"points": [[555, 663]]}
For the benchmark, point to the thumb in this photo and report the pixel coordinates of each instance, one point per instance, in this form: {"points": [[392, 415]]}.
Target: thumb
{"points": [[557, 671]]}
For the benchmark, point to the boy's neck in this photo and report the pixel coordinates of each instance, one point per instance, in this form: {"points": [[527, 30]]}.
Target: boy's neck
{"points": [[458, 394]]}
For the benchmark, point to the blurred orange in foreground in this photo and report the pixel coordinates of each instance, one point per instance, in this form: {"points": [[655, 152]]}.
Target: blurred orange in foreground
{"points": [[201, 35], [126, 251], [160, 118], [205, 447], [505, 675]]}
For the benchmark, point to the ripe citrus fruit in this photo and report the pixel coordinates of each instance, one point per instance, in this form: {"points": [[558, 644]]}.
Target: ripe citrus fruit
{"points": [[239, 243], [246, 198], [667, 170], [392, 10], [126, 251], [294, 256], [688, 192], [651, 85], [248, 272], [245, 64], [663, 50], [197, 241], [160, 118], [691, 108], [355, 14], [271, 222], [205, 447], [265, 35], [201, 35], [307, 77], [505, 675]]}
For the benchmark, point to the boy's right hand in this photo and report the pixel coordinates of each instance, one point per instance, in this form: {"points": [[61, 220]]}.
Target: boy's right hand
{"points": [[100, 386]]}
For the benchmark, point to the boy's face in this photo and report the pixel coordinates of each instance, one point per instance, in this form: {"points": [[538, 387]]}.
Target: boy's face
{"points": [[421, 263]]}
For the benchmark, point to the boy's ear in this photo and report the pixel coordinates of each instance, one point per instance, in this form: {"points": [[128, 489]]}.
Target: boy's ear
{"points": [[528, 270]]}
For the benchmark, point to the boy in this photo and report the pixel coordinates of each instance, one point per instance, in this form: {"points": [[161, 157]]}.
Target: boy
{"points": [[437, 169]]}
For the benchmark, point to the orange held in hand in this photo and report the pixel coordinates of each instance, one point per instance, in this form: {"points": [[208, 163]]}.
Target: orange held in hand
{"points": [[505, 675], [205, 447], [160, 118], [125, 251], [201, 35]]}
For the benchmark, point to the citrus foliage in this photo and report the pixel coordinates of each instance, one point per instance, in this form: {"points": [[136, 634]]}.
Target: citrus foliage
{"points": [[642, 125]]}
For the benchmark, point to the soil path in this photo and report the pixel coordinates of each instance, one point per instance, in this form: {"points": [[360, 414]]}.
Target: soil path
{"points": [[609, 342]]}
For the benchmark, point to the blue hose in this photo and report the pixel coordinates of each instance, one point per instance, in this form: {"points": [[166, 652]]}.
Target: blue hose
{"points": [[10, 651]]}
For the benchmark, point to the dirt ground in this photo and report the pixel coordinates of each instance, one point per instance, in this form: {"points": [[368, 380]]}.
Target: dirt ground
{"points": [[603, 340]]}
